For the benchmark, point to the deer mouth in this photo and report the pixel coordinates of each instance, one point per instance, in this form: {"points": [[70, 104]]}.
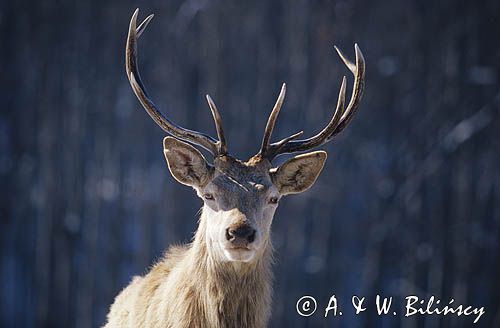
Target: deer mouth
{"points": [[240, 248], [239, 253]]}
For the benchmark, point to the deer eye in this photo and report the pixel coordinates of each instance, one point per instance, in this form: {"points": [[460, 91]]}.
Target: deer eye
{"points": [[208, 196], [273, 200]]}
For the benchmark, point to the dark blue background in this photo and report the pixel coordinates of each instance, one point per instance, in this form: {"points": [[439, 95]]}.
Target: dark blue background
{"points": [[408, 202]]}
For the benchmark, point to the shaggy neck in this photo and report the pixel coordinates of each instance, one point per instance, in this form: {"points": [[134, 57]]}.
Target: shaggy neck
{"points": [[231, 292]]}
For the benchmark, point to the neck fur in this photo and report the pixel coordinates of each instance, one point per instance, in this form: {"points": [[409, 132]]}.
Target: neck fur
{"points": [[232, 292]]}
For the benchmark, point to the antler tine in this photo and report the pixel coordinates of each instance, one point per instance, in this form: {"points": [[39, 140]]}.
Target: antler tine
{"points": [[340, 118], [142, 26], [272, 120], [274, 149], [358, 71], [222, 147], [134, 77]]}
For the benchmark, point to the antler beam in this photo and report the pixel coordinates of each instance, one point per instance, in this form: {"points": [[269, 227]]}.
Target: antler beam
{"points": [[341, 117], [216, 147]]}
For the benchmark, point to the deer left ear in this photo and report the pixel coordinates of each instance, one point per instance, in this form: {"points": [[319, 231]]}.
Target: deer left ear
{"points": [[299, 173], [186, 163]]}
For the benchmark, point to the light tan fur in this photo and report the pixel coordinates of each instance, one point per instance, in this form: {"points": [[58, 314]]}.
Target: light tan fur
{"points": [[187, 288]]}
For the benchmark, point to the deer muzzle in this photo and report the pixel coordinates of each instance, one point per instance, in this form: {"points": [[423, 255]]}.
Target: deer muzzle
{"points": [[240, 235]]}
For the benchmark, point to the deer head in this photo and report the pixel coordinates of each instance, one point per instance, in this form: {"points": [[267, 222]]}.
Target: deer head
{"points": [[240, 197]]}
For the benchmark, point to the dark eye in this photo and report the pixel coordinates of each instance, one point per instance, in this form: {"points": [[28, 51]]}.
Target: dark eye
{"points": [[273, 200], [208, 196]]}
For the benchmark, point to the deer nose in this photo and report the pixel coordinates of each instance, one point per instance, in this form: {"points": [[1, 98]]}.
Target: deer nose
{"points": [[240, 235]]}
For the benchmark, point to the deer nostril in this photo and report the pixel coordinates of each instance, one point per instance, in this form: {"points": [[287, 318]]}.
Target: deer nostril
{"points": [[251, 238], [229, 235]]}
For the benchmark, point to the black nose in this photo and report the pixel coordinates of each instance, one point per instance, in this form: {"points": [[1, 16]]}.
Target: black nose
{"points": [[242, 232]]}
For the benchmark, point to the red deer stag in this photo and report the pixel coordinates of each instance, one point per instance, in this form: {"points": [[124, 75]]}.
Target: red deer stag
{"points": [[223, 277]]}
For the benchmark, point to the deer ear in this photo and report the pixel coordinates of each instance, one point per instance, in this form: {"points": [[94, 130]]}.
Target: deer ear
{"points": [[299, 173], [186, 164]]}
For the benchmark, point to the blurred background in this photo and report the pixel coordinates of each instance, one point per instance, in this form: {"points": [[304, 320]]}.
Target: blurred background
{"points": [[408, 202]]}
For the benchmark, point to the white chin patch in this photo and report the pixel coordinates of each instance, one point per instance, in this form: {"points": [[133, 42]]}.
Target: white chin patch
{"points": [[239, 255]]}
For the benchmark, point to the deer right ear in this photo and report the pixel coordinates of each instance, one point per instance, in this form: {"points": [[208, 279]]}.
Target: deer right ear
{"points": [[298, 173], [186, 164]]}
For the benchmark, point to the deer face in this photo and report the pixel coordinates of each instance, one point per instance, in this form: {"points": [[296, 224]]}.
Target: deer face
{"points": [[240, 198]]}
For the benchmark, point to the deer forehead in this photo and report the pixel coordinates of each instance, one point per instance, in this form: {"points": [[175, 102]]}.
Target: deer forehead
{"points": [[241, 177]]}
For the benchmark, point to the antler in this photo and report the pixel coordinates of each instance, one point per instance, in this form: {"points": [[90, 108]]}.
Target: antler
{"points": [[216, 147], [339, 121]]}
